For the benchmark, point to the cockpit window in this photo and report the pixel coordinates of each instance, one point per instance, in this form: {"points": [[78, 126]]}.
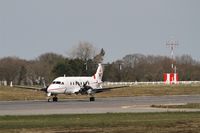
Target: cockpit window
{"points": [[56, 82]]}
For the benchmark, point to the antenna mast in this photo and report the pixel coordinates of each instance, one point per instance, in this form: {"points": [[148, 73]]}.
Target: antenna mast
{"points": [[172, 44]]}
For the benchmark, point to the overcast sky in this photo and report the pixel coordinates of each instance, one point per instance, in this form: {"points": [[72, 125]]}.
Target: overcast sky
{"points": [[29, 28]]}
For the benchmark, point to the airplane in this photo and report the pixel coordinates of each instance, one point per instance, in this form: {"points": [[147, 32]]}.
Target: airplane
{"points": [[76, 85], [89, 85]]}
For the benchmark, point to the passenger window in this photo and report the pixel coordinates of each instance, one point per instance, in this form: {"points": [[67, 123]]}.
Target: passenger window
{"points": [[58, 82]]}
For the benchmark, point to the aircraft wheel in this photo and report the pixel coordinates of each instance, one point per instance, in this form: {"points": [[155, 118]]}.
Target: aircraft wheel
{"points": [[92, 99], [49, 100], [55, 99]]}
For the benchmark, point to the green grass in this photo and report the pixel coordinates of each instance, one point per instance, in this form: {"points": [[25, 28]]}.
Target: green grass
{"points": [[8, 93], [154, 90], [109, 123]]}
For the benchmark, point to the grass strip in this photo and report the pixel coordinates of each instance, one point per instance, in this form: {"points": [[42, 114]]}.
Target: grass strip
{"points": [[111, 122], [8, 93]]}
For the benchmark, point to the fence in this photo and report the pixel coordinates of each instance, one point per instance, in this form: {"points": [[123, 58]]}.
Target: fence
{"points": [[148, 83]]}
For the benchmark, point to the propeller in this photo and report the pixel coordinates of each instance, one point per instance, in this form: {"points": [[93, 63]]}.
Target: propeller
{"points": [[85, 88], [44, 85], [44, 89]]}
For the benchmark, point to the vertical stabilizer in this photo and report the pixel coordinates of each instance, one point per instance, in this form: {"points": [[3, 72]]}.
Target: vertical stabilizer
{"points": [[99, 74]]}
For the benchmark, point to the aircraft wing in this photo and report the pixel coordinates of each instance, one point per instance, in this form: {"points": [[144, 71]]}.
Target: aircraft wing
{"points": [[30, 87], [107, 89]]}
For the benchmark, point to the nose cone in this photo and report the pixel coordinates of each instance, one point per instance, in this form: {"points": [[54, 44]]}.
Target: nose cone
{"points": [[53, 88]]}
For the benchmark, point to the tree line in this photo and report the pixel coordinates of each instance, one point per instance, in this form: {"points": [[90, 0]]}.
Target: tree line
{"points": [[83, 62], [139, 67]]}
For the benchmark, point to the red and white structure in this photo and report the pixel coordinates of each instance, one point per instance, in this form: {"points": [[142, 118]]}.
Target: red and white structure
{"points": [[170, 78]]}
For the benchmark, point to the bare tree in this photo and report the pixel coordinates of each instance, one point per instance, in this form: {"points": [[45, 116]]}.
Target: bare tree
{"points": [[12, 69], [83, 51], [45, 64]]}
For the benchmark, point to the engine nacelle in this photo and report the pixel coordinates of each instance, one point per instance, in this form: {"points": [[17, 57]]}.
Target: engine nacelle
{"points": [[86, 90], [89, 92]]}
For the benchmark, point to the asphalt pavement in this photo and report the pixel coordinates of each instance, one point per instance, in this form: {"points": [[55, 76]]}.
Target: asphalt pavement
{"points": [[101, 105]]}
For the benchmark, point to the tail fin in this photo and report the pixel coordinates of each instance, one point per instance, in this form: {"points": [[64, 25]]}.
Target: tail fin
{"points": [[99, 74]]}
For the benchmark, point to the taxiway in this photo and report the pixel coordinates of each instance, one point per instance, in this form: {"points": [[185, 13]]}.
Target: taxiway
{"points": [[101, 105]]}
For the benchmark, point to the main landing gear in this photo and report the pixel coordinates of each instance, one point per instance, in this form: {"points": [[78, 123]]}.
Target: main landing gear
{"points": [[92, 99]]}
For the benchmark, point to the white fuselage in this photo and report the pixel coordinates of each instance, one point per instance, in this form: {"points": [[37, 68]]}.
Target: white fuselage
{"points": [[70, 85]]}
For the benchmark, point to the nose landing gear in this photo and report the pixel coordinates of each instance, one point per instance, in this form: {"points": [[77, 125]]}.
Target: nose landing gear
{"points": [[54, 99]]}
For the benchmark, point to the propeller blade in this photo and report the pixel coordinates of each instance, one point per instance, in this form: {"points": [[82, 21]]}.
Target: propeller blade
{"points": [[85, 84], [78, 83]]}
